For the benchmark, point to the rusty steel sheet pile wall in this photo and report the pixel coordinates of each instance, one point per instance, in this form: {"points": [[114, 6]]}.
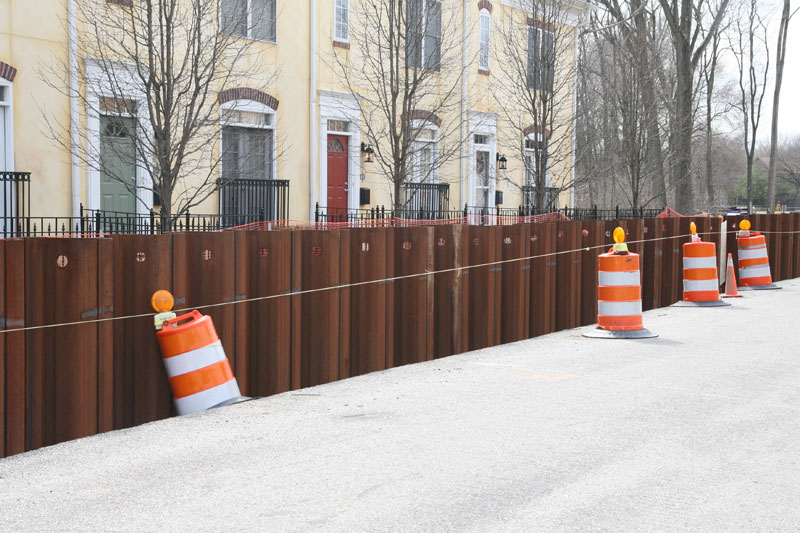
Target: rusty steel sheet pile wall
{"points": [[543, 279], [484, 285], [498, 284], [515, 279], [593, 236], [449, 305]]}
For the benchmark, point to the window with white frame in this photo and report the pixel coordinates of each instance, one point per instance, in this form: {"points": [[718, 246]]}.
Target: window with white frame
{"points": [[541, 59], [536, 154], [341, 20], [424, 153], [424, 34], [486, 26], [248, 144], [253, 19], [6, 132]]}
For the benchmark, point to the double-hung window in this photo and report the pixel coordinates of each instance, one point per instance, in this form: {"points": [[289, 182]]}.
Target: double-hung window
{"points": [[424, 153], [253, 19], [424, 34], [486, 25], [536, 155], [541, 58], [248, 161], [536, 150], [247, 145], [341, 20]]}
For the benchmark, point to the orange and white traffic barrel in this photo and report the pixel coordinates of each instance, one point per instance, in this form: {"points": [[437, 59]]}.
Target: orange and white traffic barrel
{"points": [[198, 370], [754, 270], [619, 294], [700, 275]]}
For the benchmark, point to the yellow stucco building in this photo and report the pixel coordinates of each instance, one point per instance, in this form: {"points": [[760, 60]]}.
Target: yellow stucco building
{"points": [[299, 119]]}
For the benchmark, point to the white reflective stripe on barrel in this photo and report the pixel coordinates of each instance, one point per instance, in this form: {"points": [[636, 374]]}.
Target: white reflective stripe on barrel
{"points": [[195, 359], [753, 246], [760, 271], [618, 279], [207, 398], [605, 308], [755, 253], [699, 262], [690, 285]]}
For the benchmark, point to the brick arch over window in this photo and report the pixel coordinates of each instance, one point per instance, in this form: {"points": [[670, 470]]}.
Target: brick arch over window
{"points": [[245, 93], [537, 129], [420, 114], [485, 4], [7, 72]]}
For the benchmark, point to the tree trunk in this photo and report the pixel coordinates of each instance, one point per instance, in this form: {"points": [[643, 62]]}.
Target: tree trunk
{"points": [[682, 170], [773, 146], [654, 161], [750, 183]]}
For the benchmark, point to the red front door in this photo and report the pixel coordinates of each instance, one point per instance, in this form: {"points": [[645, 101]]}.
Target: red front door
{"points": [[337, 174]]}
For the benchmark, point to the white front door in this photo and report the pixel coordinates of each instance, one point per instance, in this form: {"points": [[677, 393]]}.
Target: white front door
{"points": [[482, 180]]}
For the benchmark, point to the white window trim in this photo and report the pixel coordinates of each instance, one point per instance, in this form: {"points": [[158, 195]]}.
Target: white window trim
{"points": [[253, 107], [339, 39], [538, 137], [340, 106], [424, 24], [250, 23], [482, 123], [421, 124], [8, 125], [484, 15], [98, 87], [540, 39]]}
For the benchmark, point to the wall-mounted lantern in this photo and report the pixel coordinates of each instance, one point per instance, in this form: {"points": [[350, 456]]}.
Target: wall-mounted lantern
{"points": [[501, 161], [367, 149]]}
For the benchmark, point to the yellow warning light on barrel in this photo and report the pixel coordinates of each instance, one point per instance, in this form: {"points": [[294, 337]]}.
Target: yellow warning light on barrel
{"points": [[619, 235], [744, 224], [693, 228], [162, 301]]}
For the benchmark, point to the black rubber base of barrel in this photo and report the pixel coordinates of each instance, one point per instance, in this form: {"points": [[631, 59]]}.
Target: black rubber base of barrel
{"points": [[231, 401], [715, 303], [597, 333], [770, 287]]}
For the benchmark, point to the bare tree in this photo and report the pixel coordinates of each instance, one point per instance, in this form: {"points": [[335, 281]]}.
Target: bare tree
{"points": [[708, 72], [156, 67], [622, 67], [638, 31], [685, 19], [780, 58], [405, 72], [535, 92], [787, 161], [748, 42]]}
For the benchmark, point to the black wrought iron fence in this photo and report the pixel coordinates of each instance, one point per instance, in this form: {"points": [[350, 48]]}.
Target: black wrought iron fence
{"points": [[242, 199], [16, 201], [474, 214], [426, 197]]}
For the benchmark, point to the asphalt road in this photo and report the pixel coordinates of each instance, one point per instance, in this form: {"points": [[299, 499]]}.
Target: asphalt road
{"points": [[697, 430]]}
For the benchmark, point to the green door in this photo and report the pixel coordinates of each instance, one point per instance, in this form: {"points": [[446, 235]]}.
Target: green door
{"points": [[117, 164]]}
